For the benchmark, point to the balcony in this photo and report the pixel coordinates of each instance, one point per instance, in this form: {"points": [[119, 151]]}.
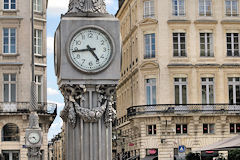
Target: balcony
{"points": [[184, 109], [23, 107]]}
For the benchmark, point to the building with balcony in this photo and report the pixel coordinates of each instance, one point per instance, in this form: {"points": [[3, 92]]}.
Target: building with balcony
{"points": [[16, 75], [180, 76]]}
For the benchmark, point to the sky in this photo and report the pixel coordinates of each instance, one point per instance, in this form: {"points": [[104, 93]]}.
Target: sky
{"points": [[54, 11]]}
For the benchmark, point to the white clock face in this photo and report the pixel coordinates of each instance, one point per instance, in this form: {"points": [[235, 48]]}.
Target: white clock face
{"points": [[34, 137], [90, 50]]}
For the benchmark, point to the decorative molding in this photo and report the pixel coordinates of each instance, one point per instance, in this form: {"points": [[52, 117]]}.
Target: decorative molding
{"points": [[74, 97], [87, 6]]}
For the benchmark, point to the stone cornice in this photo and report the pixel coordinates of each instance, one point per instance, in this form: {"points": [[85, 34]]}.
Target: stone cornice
{"points": [[205, 21], [178, 21], [11, 64], [230, 22]]}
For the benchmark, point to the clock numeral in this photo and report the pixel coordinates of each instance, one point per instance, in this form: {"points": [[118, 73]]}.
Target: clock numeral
{"points": [[104, 49], [97, 37], [102, 42], [83, 37], [78, 42], [83, 60], [78, 56], [75, 49], [90, 35], [102, 56], [90, 63], [97, 61]]}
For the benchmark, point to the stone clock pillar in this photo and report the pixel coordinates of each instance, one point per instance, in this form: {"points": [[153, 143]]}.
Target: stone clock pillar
{"points": [[87, 66]]}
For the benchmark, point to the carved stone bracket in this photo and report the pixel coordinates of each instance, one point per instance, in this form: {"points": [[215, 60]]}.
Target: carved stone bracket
{"points": [[74, 107], [34, 152], [87, 6]]}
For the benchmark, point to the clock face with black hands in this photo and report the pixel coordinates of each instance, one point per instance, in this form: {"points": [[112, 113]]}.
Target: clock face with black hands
{"points": [[34, 137], [90, 50]]}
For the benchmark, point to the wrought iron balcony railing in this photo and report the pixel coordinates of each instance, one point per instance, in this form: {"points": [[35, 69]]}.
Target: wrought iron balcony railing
{"points": [[23, 107], [184, 109]]}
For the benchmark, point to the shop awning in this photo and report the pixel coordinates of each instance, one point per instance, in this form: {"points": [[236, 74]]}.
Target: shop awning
{"points": [[149, 158], [225, 145]]}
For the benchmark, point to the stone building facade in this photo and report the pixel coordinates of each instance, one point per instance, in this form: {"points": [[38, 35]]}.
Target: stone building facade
{"points": [[15, 75], [180, 76]]}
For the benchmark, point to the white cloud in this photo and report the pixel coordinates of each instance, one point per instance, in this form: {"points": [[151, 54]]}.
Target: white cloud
{"points": [[57, 7], [52, 92], [59, 104], [50, 45]]}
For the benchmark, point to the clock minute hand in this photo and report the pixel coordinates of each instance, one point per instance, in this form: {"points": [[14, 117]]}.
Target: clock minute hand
{"points": [[91, 50]]}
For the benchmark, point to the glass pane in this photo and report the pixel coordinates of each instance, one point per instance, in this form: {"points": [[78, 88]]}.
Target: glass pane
{"points": [[231, 128], [6, 77], [238, 94], [238, 128], [230, 92], [6, 156], [176, 94], [205, 128], [154, 95], [149, 129], [184, 128], [178, 128], [15, 156], [211, 94], [13, 77], [6, 92], [184, 94], [204, 94], [211, 127], [148, 94], [13, 92], [39, 93]]}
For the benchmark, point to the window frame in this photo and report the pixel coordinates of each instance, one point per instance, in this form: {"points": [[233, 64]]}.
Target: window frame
{"points": [[16, 135], [234, 83], [178, 11], [180, 84], [182, 128], [151, 9], [235, 128], [208, 83], [10, 83], [205, 11], [10, 152], [231, 8], [38, 6], [10, 3], [152, 51], [151, 84], [232, 43], [153, 130], [9, 44], [39, 83], [209, 125], [208, 52], [38, 42], [179, 44]]}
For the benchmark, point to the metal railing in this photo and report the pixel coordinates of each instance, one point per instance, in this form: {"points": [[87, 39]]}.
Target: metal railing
{"points": [[23, 107], [184, 109], [121, 120]]}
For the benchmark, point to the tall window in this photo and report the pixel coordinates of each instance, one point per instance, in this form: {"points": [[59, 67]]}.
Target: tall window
{"points": [[207, 90], [149, 8], [38, 80], [180, 85], [10, 155], [10, 132], [152, 129], [9, 87], [181, 128], [208, 128], [206, 45], [37, 5], [205, 7], [234, 90], [9, 4], [233, 44], [234, 127], [149, 45], [9, 40], [179, 44], [231, 7], [178, 7], [151, 91], [37, 41]]}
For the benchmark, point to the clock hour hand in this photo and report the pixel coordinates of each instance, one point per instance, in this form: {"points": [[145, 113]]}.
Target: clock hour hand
{"points": [[82, 50], [91, 50]]}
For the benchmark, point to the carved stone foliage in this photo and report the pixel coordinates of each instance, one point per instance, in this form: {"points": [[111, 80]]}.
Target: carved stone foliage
{"points": [[74, 97], [34, 152], [87, 6]]}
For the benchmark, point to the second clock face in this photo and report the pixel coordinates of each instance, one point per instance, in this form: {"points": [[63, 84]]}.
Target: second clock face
{"points": [[90, 50], [34, 137]]}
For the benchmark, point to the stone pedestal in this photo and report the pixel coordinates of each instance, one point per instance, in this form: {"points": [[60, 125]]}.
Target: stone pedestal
{"points": [[88, 115]]}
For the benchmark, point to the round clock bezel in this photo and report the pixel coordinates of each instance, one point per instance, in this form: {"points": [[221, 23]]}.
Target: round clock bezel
{"points": [[105, 33], [35, 133]]}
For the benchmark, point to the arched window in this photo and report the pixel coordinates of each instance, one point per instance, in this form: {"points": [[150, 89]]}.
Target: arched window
{"points": [[10, 132]]}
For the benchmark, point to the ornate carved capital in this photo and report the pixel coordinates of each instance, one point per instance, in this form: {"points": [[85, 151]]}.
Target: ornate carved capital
{"points": [[34, 152], [87, 6], [75, 103]]}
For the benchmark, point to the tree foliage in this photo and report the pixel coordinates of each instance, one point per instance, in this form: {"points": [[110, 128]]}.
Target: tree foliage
{"points": [[234, 154]]}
